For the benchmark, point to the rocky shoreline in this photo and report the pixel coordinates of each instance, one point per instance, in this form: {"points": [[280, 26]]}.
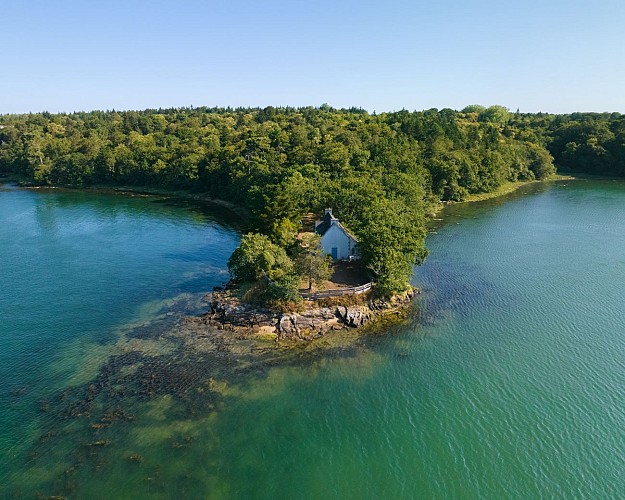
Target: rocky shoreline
{"points": [[227, 312]]}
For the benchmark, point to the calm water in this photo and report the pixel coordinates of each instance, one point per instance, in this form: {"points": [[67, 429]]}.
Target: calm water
{"points": [[508, 381]]}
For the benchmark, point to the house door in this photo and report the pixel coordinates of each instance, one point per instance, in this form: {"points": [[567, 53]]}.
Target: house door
{"points": [[335, 253]]}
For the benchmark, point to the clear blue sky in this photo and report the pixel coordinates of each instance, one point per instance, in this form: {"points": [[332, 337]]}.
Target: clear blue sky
{"points": [[549, 55]]}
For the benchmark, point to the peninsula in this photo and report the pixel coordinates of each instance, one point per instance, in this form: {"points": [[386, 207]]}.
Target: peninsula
{"points": [[381, 173]]}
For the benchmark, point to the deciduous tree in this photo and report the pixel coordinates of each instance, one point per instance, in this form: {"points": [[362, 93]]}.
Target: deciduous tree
{"points": [[311, 261]]}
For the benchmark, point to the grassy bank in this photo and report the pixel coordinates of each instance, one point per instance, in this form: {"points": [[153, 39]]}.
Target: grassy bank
{"points": [[507, 188], [510, 187]]}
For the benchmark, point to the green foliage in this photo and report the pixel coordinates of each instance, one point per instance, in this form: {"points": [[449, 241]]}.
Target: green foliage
{"points": [[474, 108], [266, 268], [495, 114], [590, 143], [283, 232], [540, 161], [392, 241], [311, 261], [283, 289], [257, 258], [378, 172], [282, 293]]}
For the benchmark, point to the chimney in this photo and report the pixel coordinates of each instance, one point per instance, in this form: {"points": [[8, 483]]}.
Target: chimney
{"points": [[328, 211]]}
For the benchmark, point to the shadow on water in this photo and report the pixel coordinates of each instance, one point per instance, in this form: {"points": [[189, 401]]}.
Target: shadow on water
{"points": [[207, 211], [118, 203]]}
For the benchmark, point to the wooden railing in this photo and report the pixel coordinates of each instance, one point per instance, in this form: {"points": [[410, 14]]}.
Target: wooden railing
{"points": [[337, 293]]}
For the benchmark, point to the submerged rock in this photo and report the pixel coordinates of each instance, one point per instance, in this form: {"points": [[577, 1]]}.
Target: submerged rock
{"points": [[100, 442]]}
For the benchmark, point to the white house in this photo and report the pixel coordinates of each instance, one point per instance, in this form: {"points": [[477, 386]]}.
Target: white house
{"points": [[335, 239]]}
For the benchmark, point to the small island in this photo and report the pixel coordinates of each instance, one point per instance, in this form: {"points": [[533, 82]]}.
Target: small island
{"points": [[318, 283]]}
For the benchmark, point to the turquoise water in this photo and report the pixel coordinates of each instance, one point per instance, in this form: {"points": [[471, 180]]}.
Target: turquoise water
{"points": [[77, 269], [507, 381]]}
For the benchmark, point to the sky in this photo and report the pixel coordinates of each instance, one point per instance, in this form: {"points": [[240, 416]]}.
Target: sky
{"points": [[550, 55]]}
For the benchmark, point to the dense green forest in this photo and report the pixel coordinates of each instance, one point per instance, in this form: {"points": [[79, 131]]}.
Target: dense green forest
{"points": [[381, 173]]}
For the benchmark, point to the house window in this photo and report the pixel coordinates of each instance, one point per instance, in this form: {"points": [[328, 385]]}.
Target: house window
{"points": [[335, 253]]}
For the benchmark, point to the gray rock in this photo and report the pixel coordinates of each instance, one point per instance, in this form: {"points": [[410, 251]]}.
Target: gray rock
{"points": [[228, 313], [353, 316], [287, 326], [341, 312]]}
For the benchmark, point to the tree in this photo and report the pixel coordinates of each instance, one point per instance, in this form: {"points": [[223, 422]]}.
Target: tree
{"points": [[541, 162], [311, 261], [267, 268], [284, 289], [257, 258], [473, 108], [392, 241], [284, 232], [495, 114]]}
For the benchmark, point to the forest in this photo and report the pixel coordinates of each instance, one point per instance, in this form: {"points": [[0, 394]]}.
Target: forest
{"points": [[381, 173]]}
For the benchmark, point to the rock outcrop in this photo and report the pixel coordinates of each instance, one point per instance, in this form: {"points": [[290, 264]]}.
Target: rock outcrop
{"points": [[228, 313], [308, 324], [354, 316]]}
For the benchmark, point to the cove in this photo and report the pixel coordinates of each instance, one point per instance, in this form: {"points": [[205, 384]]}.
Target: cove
{"points": [[507, 381]]}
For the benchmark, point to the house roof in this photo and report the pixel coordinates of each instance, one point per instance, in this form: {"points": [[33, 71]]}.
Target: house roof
{"points": [[327, 221]]}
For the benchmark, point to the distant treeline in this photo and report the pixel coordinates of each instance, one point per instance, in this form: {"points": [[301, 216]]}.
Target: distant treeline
{"points": [[380, 173]]}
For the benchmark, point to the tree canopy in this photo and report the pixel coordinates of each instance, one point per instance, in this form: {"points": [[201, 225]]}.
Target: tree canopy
{"points": [[258, 258], [380, 172], [311, 262]]}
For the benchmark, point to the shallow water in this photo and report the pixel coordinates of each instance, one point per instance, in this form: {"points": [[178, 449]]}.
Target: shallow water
{"points": [[507, 381]]}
